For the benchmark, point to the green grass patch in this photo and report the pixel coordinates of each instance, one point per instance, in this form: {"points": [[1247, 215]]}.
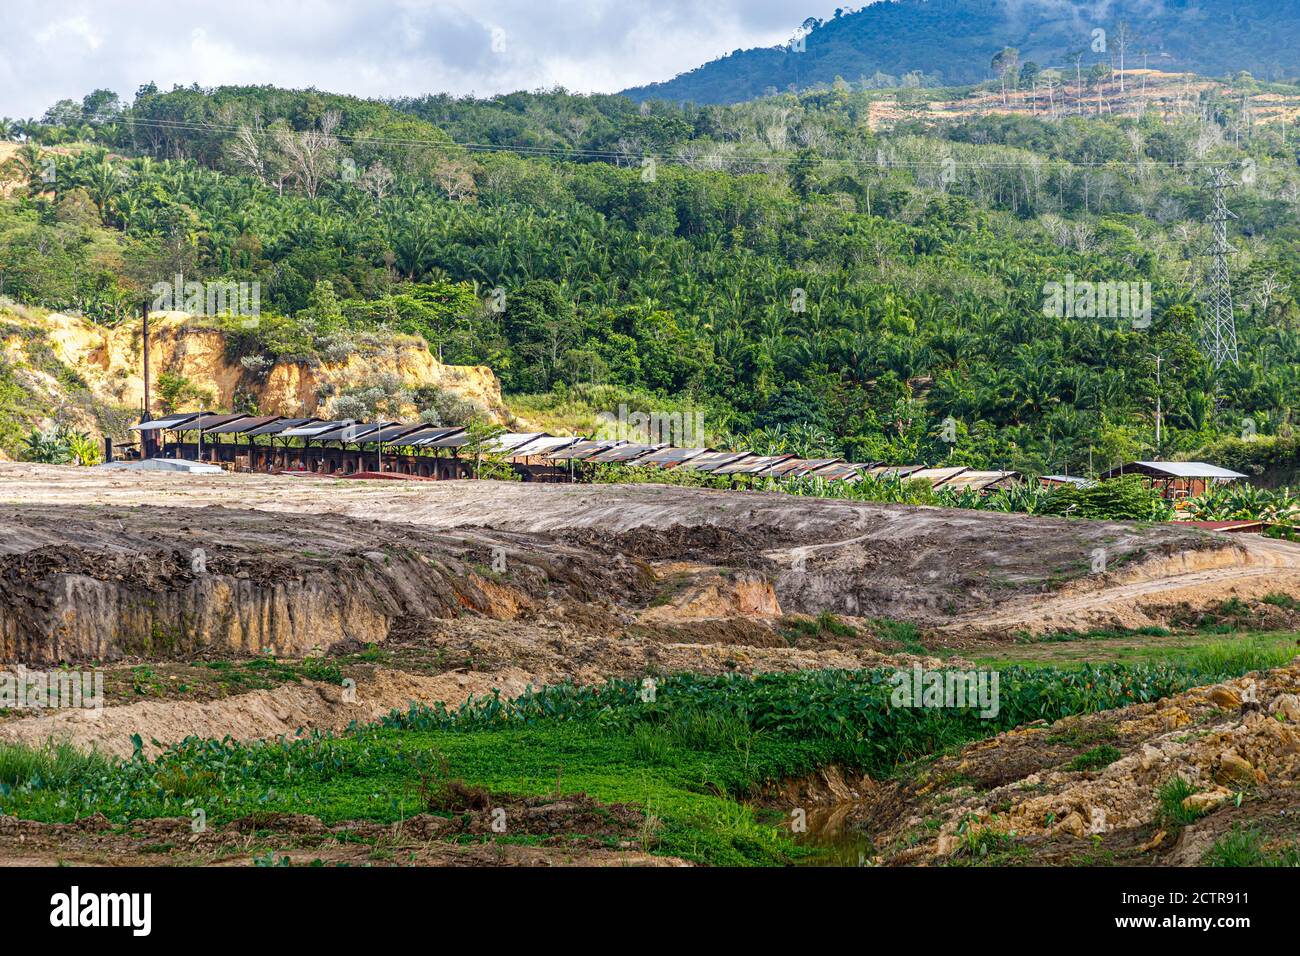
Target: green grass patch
{"points": [[1170, 797], [1284, 601], [1203, 650], [823, 625], [1096, 758], [901, 633], [688, 755], [1242, 846], [49, 766]]}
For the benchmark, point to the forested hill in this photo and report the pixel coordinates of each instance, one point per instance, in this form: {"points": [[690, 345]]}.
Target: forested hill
{"points": [[952, 42], [813, 284]]}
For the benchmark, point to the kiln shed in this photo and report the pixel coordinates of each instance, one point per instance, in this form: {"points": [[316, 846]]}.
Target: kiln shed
{"points": [[1176, 479]]}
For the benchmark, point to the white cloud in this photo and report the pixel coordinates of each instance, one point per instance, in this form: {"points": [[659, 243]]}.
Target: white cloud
{"points": [[380, 48], [63, 35]]}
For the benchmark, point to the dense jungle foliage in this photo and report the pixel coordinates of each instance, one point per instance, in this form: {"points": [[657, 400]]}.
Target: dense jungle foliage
{"points": [[812, 284]]}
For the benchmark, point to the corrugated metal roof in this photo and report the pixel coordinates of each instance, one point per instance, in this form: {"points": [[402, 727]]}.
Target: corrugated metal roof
{"points": [[456, 438], [979, 480], [751, 465], [800, 468], [1173, 469], [543, 446], [425, 437], [815, 466], [509, 441], [622, 454], [841, 471], [313, 429], [713, 459], [407, 434], [584, 449], [667, 457], [1069, 480], [349, 431], [894, 471], [278, 427], [937, 476], [352, 432], [204, 422], [167, 422], [396, 431], [243, 426], [781, 469]]}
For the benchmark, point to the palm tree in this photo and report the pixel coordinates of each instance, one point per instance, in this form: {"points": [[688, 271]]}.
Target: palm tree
{"points": [[103, 183], [27, 166]]}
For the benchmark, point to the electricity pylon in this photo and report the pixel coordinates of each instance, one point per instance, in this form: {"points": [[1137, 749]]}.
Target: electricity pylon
{"points": [[1219, 332]]}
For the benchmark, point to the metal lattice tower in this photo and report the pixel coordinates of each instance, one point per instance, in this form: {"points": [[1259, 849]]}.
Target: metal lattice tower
{"points": [[1219, 333]]}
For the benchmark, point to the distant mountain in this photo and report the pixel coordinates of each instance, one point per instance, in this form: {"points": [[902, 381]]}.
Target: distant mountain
{"points": [[952, 42]]}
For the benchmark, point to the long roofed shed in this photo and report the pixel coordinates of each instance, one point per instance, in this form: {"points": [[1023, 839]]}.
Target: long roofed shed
{"points": [[712, 460], [584, 449], [1174, 469], [751, 465], [169, 422], [622, 454], [242, 426]]}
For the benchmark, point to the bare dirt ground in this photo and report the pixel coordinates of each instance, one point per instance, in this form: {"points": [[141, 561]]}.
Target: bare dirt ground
{"points": [[180, 587], [933, 566], [571, 830], [259, 606]]}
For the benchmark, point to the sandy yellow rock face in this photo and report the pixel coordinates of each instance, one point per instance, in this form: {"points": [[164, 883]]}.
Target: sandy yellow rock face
{"points": [[110, 361]]}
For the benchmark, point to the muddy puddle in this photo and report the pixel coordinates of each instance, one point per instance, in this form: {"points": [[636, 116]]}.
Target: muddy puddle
{"points": [[830, 833]]}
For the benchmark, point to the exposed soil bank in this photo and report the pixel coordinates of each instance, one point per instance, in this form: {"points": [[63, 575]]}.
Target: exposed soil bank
{"points": [[286, 711], [294, 565], [99, 583], [1151, 592], [1087, 788]]}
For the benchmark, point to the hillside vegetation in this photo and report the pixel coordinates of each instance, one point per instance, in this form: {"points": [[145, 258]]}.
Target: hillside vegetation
{"points": [[935, 42], [813, 283]]}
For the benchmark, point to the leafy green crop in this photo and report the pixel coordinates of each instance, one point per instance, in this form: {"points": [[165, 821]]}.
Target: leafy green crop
{"points": [[687, 748]]}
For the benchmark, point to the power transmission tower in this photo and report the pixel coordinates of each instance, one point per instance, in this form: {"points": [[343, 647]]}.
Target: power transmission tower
{"points": [[1219, 334]]}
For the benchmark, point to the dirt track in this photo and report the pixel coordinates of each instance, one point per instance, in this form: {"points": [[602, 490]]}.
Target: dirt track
{"points": [[1141, 596]]}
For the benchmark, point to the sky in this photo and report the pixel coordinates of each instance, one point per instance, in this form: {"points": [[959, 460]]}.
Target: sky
{"points": [[65, 48]]}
